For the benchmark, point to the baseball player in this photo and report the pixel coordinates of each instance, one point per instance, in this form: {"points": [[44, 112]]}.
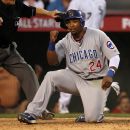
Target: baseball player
{"points": [[87, 73], [99, 12], [10, 59], [95, 11]]}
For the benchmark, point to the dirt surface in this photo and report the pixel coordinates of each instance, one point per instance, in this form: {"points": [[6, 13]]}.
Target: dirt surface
{"points": [[110, 123]]}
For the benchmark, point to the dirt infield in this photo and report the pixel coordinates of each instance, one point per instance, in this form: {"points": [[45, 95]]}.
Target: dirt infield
{"points": [[110, 123]]}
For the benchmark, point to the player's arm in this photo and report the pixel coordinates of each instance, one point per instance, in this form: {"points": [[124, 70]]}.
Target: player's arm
{"points": [[40, 11], [29, 11], [113, 66], [112, 54], [52, 57]]}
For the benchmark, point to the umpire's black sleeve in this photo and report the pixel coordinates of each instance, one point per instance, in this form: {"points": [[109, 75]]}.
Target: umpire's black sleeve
{"points": [[25, 11]]}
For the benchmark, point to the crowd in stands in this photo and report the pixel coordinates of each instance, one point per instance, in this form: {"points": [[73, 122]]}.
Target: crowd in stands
{"points": [[60, 5]]}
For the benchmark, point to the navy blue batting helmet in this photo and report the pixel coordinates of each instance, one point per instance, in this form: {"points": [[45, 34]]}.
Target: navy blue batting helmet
{"points": [[75, 14]]}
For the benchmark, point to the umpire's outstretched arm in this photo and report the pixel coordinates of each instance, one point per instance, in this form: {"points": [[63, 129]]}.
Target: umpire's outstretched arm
{"points": [[40, 11]]}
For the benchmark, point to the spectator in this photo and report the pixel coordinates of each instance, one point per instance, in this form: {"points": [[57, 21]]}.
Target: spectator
{"points": [[123, 105], [100, 12], [122, 94], [10, 93], [60, 5], [46, 3], [9, 89], [34, 3]]}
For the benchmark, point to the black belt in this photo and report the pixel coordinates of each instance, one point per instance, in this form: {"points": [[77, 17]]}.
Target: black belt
{"points": [[95, 78]]}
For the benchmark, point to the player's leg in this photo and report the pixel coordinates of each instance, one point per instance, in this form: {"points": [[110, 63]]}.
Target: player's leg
{"points": [[93, 98], [116, 87], [55, 80]]}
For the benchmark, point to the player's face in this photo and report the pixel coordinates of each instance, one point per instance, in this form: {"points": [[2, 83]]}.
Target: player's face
{"points": [[74, 26], [9, 2]]}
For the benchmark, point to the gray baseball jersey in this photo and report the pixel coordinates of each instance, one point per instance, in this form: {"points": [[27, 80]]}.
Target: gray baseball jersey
{"points": [[89, 58]]}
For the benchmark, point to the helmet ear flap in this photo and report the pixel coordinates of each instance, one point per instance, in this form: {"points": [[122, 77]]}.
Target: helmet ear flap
{"points": [[82, 23], [83, 19]]}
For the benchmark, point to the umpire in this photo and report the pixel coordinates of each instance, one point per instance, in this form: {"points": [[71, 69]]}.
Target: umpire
{"points": [[10, 59]]}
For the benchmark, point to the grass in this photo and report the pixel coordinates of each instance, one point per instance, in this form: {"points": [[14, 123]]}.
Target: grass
{"points": [[70, 115]]}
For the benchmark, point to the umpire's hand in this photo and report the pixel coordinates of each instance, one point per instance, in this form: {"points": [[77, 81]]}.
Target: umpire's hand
{"points": [[54, 13], [106, 82], [1, 21]]}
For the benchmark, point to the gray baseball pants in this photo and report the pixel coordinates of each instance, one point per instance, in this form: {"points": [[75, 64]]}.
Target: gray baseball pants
{"points": [[92, 95], [13, 62]]}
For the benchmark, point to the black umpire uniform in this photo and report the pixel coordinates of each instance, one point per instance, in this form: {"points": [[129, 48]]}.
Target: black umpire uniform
{"points": [[10, 59]]}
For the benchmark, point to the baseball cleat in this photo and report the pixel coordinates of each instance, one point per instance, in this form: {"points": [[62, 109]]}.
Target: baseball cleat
{"points": [[101, 118], [80, 118], [46, 115], [27, 118]]}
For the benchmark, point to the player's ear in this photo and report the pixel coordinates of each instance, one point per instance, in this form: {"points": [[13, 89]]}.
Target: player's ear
{"points": [[82, 23]]}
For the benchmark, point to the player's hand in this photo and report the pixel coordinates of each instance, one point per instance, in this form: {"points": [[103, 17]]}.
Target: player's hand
{"points": [[106, 82], [61, 18], [53, 36], [54, 13], [1, 21]]}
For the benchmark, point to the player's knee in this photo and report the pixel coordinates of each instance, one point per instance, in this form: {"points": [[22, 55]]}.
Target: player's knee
{"points": [[49, 75]]}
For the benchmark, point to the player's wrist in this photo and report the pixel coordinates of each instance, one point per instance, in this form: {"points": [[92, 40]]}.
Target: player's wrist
{"points": [[111, 72], [51, 46]]}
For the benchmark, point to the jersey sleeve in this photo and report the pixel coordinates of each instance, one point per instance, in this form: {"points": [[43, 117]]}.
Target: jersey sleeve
{"points": [[25, 11], [108, 47], [59, 48]]}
